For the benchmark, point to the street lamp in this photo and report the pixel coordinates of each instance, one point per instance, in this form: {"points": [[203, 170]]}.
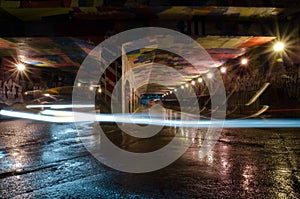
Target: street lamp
{"points": [[200, 80], [278, 46], [21, 66], [209, 75], [182, 86], [244, 61], [193, 82], [223, 69]]}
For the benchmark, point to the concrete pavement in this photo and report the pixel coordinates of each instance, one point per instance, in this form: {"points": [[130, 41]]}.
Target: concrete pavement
{"points": [[44, 160]]}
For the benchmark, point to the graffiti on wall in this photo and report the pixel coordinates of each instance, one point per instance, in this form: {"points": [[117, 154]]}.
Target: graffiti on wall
{"points": [[10, 92], [292, 86]]}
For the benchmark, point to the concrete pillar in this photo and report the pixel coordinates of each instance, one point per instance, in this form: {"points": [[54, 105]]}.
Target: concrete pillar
{"points": [[124, 65], [196, 27], [131, 99], [137, 101], [126, 85], [189, 27], [105, 87]]}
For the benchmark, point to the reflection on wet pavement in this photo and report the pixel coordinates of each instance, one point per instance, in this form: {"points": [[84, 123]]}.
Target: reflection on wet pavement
{"points": [[44, 160]]}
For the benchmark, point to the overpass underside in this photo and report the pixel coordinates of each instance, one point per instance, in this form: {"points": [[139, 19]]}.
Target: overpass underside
{"points": [[60, 34]]}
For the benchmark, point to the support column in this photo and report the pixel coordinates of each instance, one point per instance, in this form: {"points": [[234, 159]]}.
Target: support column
{"points": [[131, 99], [126, 83], [189, 27], [105, 87], [124, 68]]}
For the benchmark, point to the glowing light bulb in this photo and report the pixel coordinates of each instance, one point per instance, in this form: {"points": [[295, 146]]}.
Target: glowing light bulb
{"points": [[209, 75], [244, 61], [200, 80], [223, 70], [21, 67], [279, 46]]}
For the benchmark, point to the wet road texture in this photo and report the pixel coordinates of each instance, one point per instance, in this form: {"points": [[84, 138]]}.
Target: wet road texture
{"points": [[47, 160]]}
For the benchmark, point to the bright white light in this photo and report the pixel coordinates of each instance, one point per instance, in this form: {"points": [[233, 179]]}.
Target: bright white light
{"points": [[32, 116], [200, 80], [244, 61], [209, 75], [223, 69], [99, 90], [186, 85], [175, 90], [61, 106], [279, 46], [91, 88], [21, 67], [193, 82], [57, 113], [78, 84], [142, 119], [47, 94], [182, 86], [171, 92]]}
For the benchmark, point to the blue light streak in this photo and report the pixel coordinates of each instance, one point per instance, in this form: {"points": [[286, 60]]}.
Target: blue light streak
{"points": [[143, 118]]}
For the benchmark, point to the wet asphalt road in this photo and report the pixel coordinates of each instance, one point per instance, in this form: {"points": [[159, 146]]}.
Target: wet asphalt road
{"points": [[46, 160]]}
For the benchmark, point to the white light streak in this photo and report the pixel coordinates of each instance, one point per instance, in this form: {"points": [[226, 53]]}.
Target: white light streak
{"points": [[144, 119], [60, 106]]}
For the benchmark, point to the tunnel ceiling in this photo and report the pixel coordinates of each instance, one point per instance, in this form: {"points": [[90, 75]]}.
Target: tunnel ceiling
{"points": [[145, 63], [64, 51], [36, 38], [125, 13], [68, 53]]}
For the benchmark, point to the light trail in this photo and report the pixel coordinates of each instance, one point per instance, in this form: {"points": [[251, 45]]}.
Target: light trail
{"points": [[60, 106], [146, 119], [262, 110], [57, 113], [257, 94], [32, 116], [279, 110]]}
